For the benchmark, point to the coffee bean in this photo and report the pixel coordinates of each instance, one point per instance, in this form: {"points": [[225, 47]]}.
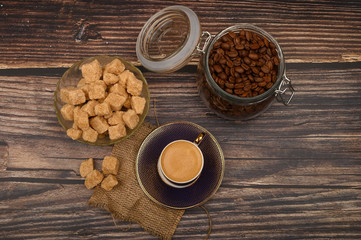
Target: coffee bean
{"points": [[232, 72], [229, 90], [276, 60], [229, 85], [239, 46], [267, 78], [243, 53], [253, 56], [242, 34], [262, 84], [217, 68], [247, 88], [232, 34], [239, 69], [248, 35], [245, 66], [254, 46], [232, 54], [222, 76], [266, 42], [227, 71], [269, 64], [238, 91], [222, 61], [255, 70], [239, 85], [216, 57], [265, 69], [269, 85], [247, 60], [226, 38], [262, 50], [230, 64], [217, 44], [237, 61], [225, 46]]}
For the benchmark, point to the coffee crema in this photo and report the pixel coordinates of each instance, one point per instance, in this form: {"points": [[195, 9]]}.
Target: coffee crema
{"points": [[181, 161]]}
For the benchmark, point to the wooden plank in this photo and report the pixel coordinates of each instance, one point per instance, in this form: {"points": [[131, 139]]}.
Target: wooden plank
{"points": [[58, 210], [47, 35]]}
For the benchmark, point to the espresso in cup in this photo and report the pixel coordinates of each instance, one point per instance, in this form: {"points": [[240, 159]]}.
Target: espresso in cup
{"points": [[180, 163]]}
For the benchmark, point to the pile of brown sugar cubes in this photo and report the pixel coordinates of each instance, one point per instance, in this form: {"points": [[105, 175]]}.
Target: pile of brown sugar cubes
{"points": [[106, 101], [94, 177]]}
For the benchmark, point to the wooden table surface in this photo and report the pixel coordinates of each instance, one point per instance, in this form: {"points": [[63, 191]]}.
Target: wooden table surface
{"points": [[292, 173]]}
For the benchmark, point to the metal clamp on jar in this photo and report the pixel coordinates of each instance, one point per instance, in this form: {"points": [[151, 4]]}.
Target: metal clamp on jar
{"points": [[173, 36]]}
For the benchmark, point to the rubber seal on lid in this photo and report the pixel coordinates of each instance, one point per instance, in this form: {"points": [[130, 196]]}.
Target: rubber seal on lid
{"points": [[168, 39]]}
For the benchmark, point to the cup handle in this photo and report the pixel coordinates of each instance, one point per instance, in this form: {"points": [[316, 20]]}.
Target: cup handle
{"points": [[199, 138]]}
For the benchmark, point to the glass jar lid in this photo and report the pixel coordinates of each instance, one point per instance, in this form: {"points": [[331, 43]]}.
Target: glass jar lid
{"points": [[168, 39]]}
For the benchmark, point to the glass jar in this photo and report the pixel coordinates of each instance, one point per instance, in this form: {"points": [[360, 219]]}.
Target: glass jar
{"points": [[173, 36]]}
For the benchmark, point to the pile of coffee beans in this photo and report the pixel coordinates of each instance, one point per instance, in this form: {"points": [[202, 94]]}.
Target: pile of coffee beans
{"points": [[244, 63]]}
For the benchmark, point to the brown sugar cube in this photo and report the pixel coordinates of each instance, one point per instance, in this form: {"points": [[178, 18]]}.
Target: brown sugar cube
{"points": [[93, 179], [138, 104], [115, 67], [134, 86], [67, 111], [110, 165], [64, 94], [109, 182], [74, 133], [123, 77], [96, 91], [81, 118], [110, 78], [116, 118], [102, 109], [117, 88], [115, 101], [108, 115], [127, 103], [131, 118], [85, 89], [72, 95], [100, 82], [90, 135], [86, 167], [76, 96], [89, 107], [117, 131], [99, 124], [91, 71]]}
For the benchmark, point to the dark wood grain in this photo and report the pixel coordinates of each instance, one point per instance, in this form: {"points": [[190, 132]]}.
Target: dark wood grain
{"points": [[47, 35], [291, 173]]}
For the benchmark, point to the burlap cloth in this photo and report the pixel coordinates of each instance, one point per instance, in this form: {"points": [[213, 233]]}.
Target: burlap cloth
{"points": [[127, 201]]}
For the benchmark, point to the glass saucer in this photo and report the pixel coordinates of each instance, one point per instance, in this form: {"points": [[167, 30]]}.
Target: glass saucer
{"points": [[179, 198]]}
